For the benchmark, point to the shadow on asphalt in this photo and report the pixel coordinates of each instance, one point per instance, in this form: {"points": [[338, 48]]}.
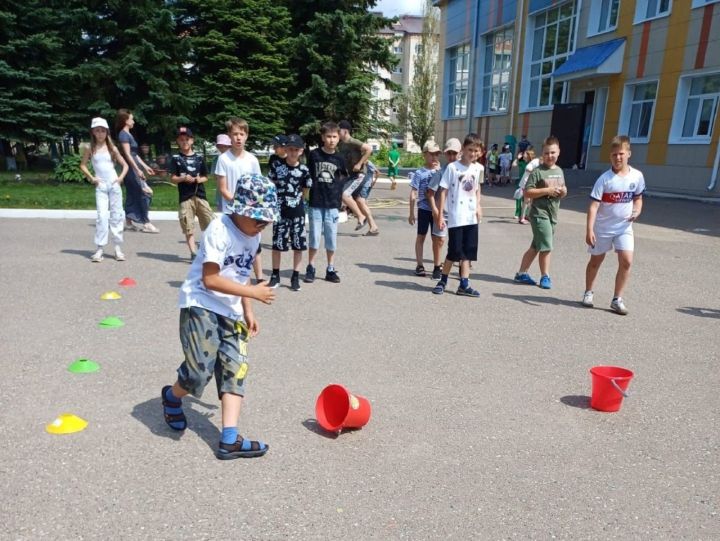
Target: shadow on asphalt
{"points": [[385, 269], [150, 413], [576, 401], [700, 312], [171, 258], [492, 278], [537, 300], [414, 286], [83, 253], [313, 426], [174, 283]]}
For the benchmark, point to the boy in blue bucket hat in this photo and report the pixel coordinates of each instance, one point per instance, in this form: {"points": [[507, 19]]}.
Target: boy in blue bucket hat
{"points": [[216, 314]]}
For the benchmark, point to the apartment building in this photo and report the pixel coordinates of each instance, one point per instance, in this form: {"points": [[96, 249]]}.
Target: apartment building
{"points": [[586, 70], [404, 39]]}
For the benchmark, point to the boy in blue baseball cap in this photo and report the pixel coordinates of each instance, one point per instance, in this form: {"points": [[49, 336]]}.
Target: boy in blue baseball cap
{"points": [[216, 315]]}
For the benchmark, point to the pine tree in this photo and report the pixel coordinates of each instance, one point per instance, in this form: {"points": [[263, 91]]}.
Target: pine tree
{"points": [[38, 100], [336, 46], [134, 58], [238, 57]]}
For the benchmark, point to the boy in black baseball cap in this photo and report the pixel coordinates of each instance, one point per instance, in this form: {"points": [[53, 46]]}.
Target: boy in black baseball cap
{"points": [[189, 173], [291, 179]]}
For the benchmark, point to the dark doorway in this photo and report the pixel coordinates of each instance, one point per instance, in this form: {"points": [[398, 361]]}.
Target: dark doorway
{"points": [[568, 125]]}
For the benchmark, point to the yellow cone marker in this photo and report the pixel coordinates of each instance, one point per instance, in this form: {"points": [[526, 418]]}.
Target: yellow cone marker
{"points": [[111, 296], [66, 423]]}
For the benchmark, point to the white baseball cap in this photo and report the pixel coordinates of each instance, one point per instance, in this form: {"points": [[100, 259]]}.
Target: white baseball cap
{"points": [[99, 122], [453, 145]]}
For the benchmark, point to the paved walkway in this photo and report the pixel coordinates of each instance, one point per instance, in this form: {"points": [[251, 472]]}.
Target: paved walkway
{"points": [[480, 426]]}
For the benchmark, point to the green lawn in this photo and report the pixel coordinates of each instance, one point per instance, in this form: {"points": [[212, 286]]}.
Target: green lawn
{"points": [[35, 191]]}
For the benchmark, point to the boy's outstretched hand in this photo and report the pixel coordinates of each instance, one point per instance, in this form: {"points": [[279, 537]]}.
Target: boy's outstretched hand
{"points": [[264, 293]]}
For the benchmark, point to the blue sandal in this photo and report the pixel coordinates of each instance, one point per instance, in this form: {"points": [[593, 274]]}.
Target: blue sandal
{"points": [[174, 420], [242, 448]]}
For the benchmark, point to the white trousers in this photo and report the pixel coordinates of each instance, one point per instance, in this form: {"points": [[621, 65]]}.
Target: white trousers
{"points": [[110, 213]]}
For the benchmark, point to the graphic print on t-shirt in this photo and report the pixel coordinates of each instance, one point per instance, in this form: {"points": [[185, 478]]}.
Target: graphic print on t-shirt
{"points": [[290, 182]]}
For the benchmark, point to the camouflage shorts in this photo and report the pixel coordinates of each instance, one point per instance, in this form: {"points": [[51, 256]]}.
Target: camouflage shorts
{"points": [[212, 344]]}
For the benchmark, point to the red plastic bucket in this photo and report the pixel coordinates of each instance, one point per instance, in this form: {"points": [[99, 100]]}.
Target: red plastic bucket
{"points": [[609, 387], [336, 408]]}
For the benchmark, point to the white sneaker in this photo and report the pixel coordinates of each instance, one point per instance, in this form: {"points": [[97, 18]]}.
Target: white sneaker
{"points": [[97, 257], [119, 255], [587, 299], [618, 306], [150, 228]]}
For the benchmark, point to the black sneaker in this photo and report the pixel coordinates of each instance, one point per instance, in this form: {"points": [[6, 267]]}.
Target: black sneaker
{"points": [[274, 281], [332, 276], [295, 282], [437, 273], [309, 274]]}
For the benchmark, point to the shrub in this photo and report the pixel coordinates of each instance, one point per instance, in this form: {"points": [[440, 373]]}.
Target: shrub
{"points": [[408, 159], [68, 170]]}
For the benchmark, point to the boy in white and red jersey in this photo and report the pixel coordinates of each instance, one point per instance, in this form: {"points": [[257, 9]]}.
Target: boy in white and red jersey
{"points": [[616, 204]]}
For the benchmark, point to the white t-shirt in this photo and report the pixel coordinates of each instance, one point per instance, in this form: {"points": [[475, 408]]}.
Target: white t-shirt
{"points": [[223, 243], [232, 168], [462, 184], [616, 194]]}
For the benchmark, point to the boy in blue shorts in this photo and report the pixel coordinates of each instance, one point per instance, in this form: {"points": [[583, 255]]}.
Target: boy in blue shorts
{"points": [[216, 314], [616, 204], [328, 172], [418, 193], [451, 152]]}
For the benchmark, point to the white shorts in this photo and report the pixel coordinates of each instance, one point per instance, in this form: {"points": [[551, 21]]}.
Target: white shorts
{"points": [[624, 242]]}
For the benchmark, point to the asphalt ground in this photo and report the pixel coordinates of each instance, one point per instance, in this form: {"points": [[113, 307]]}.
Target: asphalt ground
{"points": [[480, 426]]}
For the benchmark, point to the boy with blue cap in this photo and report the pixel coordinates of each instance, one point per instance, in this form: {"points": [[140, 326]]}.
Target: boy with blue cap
{"points": [[216, 314]]}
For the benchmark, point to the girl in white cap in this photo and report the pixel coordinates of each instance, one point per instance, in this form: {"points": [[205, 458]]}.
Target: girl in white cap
{"points": [[108, 195]]}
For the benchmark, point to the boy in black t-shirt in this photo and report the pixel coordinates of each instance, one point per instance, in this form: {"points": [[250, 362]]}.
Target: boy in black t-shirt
{"points": [[279, 142], [291, 178], [328, 172], [189, 172]]}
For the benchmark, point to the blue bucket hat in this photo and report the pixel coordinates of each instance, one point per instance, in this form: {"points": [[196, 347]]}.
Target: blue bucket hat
{"points": [[256, 198]]}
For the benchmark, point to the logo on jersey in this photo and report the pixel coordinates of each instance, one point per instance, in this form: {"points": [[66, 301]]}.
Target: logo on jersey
{"points": [[617, 197]]}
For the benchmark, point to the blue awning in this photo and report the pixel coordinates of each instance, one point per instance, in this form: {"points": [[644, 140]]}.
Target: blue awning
{"points": [[602, 59]]}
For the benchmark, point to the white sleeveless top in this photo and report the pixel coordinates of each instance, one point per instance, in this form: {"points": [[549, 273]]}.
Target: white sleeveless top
{"points": [[104, 167]]}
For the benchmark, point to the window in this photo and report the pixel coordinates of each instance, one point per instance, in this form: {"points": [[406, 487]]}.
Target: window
{"points": [[397, 69], [637, 111], [496, 71], [603, 16], [696, 108], [651, 9], [459, 73], [553, 40], [398, 50], [701, 3], [418, 48]]}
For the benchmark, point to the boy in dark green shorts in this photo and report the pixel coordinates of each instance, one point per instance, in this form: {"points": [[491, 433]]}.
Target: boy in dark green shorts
{"points": [[545, 186]]}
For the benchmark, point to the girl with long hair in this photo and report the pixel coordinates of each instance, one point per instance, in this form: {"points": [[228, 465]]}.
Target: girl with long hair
{"points": [[103, 155]]}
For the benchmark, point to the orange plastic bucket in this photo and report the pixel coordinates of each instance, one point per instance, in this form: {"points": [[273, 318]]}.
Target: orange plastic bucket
{"points": [[609, 387], [336, 408]]}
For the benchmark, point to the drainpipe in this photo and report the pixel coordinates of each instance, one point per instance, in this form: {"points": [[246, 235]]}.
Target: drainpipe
{"points": [[516, 66], [473, 66], [716, 166]]}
